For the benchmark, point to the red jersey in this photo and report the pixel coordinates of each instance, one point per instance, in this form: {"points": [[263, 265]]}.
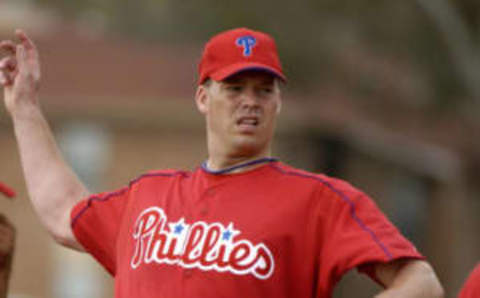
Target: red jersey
{"points": [[471, 288], [273, 231]]}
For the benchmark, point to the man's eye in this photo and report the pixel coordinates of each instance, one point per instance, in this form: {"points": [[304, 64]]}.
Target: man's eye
{"points": [[266, 90], [234, 88]]}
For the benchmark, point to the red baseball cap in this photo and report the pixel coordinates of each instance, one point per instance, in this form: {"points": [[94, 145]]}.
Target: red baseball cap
{"points": [[237, 50], [6, 190]]}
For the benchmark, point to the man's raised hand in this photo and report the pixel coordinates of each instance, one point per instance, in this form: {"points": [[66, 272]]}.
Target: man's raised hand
{"points": [[19, 71]]}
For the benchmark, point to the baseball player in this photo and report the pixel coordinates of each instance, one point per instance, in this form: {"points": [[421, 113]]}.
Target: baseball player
{"points": [[471, 288], [243, 224], [7, 244]]}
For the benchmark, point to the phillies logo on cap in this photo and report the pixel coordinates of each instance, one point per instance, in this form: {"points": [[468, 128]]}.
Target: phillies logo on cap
{"points": [[247, 42], [236, 50]]}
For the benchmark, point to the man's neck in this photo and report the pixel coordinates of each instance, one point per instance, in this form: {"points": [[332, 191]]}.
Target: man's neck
{"points": [[218, 164]]}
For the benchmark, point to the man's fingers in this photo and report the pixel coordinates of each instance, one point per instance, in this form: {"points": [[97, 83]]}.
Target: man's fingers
{"points": [[5, 223], [6, 227], [8, 46], [3, 80], [24, 39], [8, 64], [21, 56], [7, 238], [7, 70], [3, 219], [6, 79]]}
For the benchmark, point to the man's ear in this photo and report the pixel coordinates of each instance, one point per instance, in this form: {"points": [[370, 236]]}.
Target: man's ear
{"points": [[201, 98], [278, 89], [279, 105]]}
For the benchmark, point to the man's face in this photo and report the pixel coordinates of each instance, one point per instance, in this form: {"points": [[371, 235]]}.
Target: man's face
{"points": [[240, 113]]}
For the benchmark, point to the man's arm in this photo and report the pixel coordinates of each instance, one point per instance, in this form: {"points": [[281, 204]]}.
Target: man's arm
{"points": [[408, 278], [53, 187], [7, 245]]}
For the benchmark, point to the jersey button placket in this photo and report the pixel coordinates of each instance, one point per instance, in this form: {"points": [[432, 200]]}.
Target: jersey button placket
{"points": [[210, 192], [205, 202]]}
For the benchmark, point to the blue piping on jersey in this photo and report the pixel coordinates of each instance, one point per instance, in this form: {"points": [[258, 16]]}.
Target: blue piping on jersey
{"points": [[345, 198], [122, 191], [204, 165]]}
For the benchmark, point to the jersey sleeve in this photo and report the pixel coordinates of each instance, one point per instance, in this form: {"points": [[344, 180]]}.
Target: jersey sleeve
{"points": [[356, 234], [95, 223]]}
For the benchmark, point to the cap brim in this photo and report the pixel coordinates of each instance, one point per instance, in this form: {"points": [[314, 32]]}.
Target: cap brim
{"points": [[231, 70]]}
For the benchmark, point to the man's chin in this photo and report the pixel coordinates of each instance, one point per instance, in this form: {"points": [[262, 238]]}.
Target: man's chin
{"points": [[249, 145]]}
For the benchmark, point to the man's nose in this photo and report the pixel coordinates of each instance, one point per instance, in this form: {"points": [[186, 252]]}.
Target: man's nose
{"points": [[250, 97]]}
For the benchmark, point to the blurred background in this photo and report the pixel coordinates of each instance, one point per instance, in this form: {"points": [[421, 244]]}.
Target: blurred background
{"points": [[385, 94]]}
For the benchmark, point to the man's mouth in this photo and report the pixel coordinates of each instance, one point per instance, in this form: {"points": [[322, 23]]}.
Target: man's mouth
{"points": [[248, 121]]}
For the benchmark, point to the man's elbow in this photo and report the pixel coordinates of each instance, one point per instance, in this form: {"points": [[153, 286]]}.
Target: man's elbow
{"points": [[67, 239], [60, 237], [430, 282], [61, 232], [436, 289], [411, 278]]}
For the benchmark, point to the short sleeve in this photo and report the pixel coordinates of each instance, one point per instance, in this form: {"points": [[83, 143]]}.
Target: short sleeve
{"points": [[356, 234], [95, 223], [471, 288]]}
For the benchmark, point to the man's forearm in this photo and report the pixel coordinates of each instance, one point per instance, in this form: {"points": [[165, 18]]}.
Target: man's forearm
{"points": [[53, 188]]}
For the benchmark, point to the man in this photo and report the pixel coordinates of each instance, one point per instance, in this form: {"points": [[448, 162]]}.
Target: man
{"points": [[7, 245], [243, 224], [471, 288]]}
